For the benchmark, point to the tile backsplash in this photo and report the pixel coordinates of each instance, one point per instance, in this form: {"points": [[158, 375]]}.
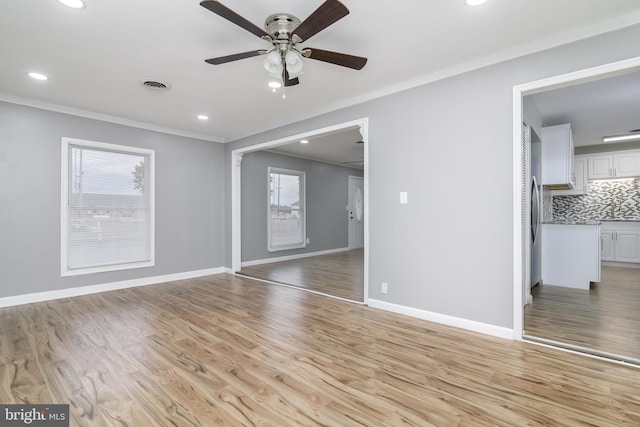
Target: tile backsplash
{"points": [[607, 200]]}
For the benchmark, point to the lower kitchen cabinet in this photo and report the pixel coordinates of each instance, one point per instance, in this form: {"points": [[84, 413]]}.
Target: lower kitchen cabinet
{"points": [[620, 242], [570, 255]]}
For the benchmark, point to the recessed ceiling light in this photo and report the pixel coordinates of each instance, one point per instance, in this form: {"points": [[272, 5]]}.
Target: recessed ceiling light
{"points": [[304, 141], [74, 4], [475, 2], [203, 117], [38, 76]]}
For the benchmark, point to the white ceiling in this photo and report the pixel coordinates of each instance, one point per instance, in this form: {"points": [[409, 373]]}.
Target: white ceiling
{"points": [[344, 148], [96, 57], [606, 107]]}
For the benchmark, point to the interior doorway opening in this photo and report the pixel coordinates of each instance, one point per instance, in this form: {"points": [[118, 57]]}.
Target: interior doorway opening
{"points": [[361, 126], [521, 205]]}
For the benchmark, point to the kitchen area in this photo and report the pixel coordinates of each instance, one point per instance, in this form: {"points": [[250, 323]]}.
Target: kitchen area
{"points": [[585, 217]]}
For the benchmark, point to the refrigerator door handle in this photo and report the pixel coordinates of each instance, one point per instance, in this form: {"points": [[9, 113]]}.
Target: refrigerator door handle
{"points": [[535, 209]]}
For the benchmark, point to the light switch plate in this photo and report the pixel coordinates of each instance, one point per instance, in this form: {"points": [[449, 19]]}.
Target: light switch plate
{"points": [[404, 198]]}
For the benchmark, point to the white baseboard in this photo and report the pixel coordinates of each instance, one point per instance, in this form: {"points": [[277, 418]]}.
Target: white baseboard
{"points": [[620, 264], [470, 325], [292, 257], [104, 287]]}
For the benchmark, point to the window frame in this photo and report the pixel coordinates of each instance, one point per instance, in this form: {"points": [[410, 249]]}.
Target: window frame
{"points": [[64, 205], [303, 207]]}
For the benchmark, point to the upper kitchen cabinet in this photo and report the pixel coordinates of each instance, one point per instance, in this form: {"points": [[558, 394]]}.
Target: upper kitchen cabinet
{"points": [[557, 157], [580, 164], [614, 165]]}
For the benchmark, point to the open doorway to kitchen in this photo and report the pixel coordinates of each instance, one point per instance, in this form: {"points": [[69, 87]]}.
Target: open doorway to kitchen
{"points": [[603, 318], [292, 214]]}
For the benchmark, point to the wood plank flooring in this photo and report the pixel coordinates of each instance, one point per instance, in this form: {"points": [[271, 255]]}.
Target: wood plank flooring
{"points": [[340, 274], [605, 318], [231, 351]]}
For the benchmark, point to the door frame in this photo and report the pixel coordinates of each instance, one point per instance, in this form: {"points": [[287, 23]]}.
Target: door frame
{"points": [[519, 91], [236, 169], [350, 178]]}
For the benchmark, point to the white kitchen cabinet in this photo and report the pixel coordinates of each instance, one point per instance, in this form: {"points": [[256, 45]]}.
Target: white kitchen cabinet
{"points": [[620, 242], [557, 157], [570, 255], [622, 164], [580, 164], [606, 246]]}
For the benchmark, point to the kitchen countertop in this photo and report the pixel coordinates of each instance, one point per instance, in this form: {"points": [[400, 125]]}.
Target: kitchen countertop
{"points": [[572, 222]]}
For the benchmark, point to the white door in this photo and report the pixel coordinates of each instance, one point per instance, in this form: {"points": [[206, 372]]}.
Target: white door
{"points": [[355, 209]]}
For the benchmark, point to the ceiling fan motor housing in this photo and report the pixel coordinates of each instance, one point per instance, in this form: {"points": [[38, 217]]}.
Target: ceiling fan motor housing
{"points": [[281, 26]]}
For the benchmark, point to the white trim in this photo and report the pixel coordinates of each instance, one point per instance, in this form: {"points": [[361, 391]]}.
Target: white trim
{"points": [[105, 287], [107, 118], [563, 80], [458, 322], [292, 257], [236, 205], [617, 264]]}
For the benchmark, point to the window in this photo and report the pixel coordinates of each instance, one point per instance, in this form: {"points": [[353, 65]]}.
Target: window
{"points": [[107, 213], [286, 225]]}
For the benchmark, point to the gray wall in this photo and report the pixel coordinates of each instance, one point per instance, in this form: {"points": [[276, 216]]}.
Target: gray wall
{"points": [[450, 144], [189, 199], [326, 200]]}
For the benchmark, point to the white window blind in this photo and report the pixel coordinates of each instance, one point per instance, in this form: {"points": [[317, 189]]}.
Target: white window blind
{"points": [[286, 226], [107, 207]]}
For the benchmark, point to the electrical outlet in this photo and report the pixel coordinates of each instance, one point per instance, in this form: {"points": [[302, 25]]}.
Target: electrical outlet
{"points": [[384, 287]]}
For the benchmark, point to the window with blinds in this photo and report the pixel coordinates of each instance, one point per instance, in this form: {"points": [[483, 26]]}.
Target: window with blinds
{"points": [[286, 226], [107, 207]]}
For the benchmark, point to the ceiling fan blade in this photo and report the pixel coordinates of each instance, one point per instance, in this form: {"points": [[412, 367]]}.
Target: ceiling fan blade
{"points": [[342, 59], [228, 14], [288, 81], [329, 12], [236, 56]]}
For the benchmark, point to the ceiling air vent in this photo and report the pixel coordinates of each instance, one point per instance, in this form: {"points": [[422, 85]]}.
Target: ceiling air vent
{"points": [[156, 85]]}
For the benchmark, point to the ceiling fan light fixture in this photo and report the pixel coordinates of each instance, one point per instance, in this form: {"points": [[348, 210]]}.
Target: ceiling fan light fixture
{"points": [[273, 64], [273, 85], [294, 63]]}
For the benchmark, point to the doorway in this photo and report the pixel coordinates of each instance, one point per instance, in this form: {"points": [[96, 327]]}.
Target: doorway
{"points": [[521, 205], [355, 210], [304, 263]]}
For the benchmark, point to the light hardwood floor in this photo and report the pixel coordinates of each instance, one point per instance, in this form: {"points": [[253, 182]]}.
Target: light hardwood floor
{"points": [[226, 350], [605, 318], [340, 274]]}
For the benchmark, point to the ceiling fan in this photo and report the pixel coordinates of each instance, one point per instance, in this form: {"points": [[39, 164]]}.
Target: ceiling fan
{"points": [[285, 32]]}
